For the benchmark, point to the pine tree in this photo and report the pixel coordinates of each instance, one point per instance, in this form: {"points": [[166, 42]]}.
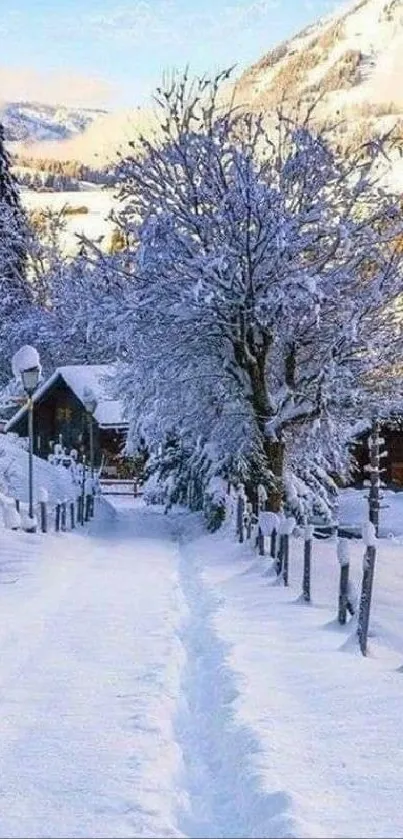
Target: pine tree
{"points": [[15, 291]]}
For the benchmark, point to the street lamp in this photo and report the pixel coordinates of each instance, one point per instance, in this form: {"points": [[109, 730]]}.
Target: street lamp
{"points": [[90, 404], [26, 366]]}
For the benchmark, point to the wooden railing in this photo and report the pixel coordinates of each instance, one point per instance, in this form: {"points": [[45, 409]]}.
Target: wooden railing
{"points": [[120, 486]]}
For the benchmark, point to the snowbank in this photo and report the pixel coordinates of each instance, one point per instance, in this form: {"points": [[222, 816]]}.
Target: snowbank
{"points": [[56, 480]]}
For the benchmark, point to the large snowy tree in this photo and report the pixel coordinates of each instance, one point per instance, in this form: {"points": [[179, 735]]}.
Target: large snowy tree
{"points": [[266, 270]]}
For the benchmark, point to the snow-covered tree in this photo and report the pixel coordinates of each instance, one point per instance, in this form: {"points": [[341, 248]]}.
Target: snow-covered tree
{"points": [[15, 291], [266, 274]]}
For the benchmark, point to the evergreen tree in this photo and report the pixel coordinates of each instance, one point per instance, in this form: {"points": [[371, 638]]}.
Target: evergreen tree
{"points": [[15, 291]]}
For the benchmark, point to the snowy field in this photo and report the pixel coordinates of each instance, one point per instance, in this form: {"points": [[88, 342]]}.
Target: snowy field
{"points": [[155, 682], [93, 224]]}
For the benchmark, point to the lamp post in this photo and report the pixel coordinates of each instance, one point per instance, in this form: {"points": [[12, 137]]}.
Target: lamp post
{"points": [[26, 366], [90, 404], [30, 379]]}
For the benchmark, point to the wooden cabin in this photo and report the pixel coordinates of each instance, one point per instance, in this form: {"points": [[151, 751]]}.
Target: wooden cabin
{"points": [[60, 417]]}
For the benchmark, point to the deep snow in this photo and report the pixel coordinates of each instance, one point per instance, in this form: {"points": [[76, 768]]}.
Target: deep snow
{"points": [[14, 474], [156, 682]]}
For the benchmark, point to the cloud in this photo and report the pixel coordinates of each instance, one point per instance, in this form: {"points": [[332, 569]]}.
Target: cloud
{"points": [[72, 89], [167, 22]]}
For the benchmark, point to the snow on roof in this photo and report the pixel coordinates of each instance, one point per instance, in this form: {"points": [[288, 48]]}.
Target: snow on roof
{"points": [[81, 377]]}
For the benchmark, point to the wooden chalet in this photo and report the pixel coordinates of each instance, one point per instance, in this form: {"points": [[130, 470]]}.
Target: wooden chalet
{"points": [[60, 416]]}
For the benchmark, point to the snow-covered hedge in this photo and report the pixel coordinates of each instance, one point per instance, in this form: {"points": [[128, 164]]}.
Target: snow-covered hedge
{"points": [[55, 480]]}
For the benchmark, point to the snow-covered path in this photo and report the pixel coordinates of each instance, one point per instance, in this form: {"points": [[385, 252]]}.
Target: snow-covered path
{"points": [[115, 694], [154, 684], [89, 679]]}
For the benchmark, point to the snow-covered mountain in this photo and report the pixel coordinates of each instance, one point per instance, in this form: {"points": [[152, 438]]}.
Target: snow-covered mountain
{"points": [[30, 122], [352, 61], [100, 142]]}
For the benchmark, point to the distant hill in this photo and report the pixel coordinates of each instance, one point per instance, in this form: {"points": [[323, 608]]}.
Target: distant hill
{"points": [[32, 122], [99, 143]]}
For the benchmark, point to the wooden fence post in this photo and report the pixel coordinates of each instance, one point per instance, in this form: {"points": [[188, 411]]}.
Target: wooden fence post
{"points": [[286, 548], [306, 579], [57, 519], [44, 517], [240, 509], [343, 555], [83, 481], [279, 559], [288, 527], [64, 516], [369, 536], [249, 513], [43, 500], [278, 565], [374, 475], [72, 515], [268, 522]]}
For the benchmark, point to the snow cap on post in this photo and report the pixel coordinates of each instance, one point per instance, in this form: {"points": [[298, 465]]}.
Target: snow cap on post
{"points": [[343, 552], [308, 532], [369, 534], [26, 358], [262, 494], [268, 522], [43, 495], [290, 524]]}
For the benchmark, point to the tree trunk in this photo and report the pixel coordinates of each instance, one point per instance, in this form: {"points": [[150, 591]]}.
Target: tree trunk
{"points": [[274, 451]]}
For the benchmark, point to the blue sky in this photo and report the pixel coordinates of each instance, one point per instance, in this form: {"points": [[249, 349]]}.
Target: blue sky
{"points": [[112, 52]]}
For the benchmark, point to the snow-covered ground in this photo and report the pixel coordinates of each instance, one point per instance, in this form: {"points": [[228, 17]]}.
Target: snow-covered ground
{"points": [[324, 724], [92, 224], [89, 678], [155, 682], [354, 511]]}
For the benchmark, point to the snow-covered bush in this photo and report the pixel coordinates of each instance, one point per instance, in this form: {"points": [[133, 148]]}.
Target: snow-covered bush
{"points": [[10, 515], [215, 503], [56, 480]]}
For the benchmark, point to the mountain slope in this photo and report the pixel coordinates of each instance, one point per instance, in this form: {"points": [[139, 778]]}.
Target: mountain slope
{"points": [[352, 61], [30, 122]]}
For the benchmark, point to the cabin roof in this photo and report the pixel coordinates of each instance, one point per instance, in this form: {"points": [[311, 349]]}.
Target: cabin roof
{"points": [[78, 377]]}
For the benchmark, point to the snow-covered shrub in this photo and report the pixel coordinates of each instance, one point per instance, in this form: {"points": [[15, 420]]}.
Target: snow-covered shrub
{"points": [[11, 517], [154, 492], [215, 503], [28, 523], [14, 475]]}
